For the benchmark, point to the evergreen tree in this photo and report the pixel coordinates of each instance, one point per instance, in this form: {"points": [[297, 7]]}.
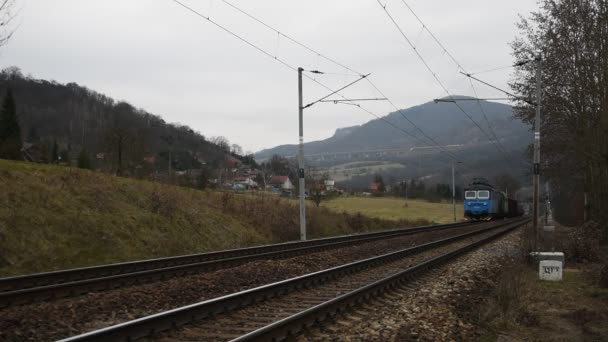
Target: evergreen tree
{"points": [[33, 135], [10, 132], [55, 153], [64, 157], [84, 162], [203, 180]]}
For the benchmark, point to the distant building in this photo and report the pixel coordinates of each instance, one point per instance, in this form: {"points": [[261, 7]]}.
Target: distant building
{"points": [[281, 183], [375, 187], [246, 182], [330, 185], [232, 163], [150, 159]]}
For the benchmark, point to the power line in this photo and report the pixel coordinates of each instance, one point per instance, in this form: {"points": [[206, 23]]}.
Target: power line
{"points": [[284, 63], [412, 123], [445, 50], [199, 14], [336, 91], [290, 38], [492, 70], [346, 68], [235, 35], [428, 67]]}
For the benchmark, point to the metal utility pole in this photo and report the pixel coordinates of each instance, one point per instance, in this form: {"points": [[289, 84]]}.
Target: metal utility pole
{"points": [[536, 180], [453, 191], [301, 161], [301, 108]]}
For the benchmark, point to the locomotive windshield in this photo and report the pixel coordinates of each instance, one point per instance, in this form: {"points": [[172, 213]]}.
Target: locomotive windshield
{"points": [[483, 194], [470, 195]]}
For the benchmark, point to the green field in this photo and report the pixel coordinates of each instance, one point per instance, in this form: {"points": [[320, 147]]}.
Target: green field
{"points": [[391, 208]]}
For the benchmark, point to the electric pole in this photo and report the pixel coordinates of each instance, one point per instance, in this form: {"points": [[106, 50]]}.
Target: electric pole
{"points": [[536, 180], [301, 161], [301, 108]]}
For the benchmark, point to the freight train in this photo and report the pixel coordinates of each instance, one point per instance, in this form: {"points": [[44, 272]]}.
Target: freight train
{"points": [[484, 202]]}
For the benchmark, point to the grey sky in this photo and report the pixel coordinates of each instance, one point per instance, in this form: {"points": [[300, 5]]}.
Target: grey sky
{"points": [[160, 57]]}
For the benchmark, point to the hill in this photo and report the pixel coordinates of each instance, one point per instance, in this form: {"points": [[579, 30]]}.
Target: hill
{"points": [[55, 217], [442, 121], [376, 142], [116, 136]]}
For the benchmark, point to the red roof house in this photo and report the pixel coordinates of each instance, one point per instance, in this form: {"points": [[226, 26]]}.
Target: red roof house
{"points": [[281, 182]]}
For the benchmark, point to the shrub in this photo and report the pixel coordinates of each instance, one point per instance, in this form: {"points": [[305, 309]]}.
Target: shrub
{"points": [[583, 243]]}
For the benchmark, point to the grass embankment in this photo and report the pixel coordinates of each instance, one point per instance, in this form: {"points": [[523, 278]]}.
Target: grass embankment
{"points": [[54, 217], [391, 208], [524, 308]]}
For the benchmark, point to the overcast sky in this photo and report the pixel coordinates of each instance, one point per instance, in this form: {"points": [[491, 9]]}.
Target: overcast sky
{"points": [[158, 56]]}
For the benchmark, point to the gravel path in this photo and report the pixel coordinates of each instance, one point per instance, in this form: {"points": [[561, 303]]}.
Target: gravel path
{"points": [[432, 309], [68, 317]]}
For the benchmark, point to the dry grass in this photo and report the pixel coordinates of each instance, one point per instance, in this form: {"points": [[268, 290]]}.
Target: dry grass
{"points": [[521, 307], [54, 217], [391, 208]]}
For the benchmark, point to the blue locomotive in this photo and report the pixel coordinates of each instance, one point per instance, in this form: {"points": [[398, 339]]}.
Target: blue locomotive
{"points": [[483, 202]]}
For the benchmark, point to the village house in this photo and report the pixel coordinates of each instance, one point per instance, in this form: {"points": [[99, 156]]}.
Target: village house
{"points": [[245, 182], [330, 185], [281, 183]]}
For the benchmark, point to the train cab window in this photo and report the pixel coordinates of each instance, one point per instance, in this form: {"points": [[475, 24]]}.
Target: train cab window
{"points": [[470, 195], [483, 194]]}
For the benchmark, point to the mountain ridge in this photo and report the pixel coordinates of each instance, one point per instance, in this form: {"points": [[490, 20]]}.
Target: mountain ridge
{"points": [[443, 122]]}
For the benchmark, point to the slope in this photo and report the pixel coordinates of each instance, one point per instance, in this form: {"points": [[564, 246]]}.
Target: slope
{"points": [[54, 217]]}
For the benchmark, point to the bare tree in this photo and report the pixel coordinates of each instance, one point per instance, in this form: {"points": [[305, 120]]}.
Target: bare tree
{"points": [[222, 142], [315, 184], [6, 17], [123, 138], [572, 37], [237, 149]]}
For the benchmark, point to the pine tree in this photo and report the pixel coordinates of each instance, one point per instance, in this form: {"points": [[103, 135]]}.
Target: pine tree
{"points": [[10, 132], [55, 153], [83, 160]]}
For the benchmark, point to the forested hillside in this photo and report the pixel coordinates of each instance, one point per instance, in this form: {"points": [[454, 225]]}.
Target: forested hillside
{"points": [[62, 123]]}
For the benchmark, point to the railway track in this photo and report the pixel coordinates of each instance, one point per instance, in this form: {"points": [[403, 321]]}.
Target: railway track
{"points": [[68, 283], [281, 309]]}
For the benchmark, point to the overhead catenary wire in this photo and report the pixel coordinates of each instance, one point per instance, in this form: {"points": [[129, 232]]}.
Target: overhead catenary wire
{"points": [[447, 154], [400, 111], [290, 38], [492, 70], [276, 58], [500, 146], [318, 54], [336, 91], [295, 69], [470, 76], [428, 67]]}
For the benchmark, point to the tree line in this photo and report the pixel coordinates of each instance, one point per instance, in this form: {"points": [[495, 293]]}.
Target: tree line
{"points": [[56, 123], [571, 37]]}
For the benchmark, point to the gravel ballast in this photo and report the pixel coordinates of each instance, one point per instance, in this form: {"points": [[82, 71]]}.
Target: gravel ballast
{"points": [[435, 308], [72, 316]]}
